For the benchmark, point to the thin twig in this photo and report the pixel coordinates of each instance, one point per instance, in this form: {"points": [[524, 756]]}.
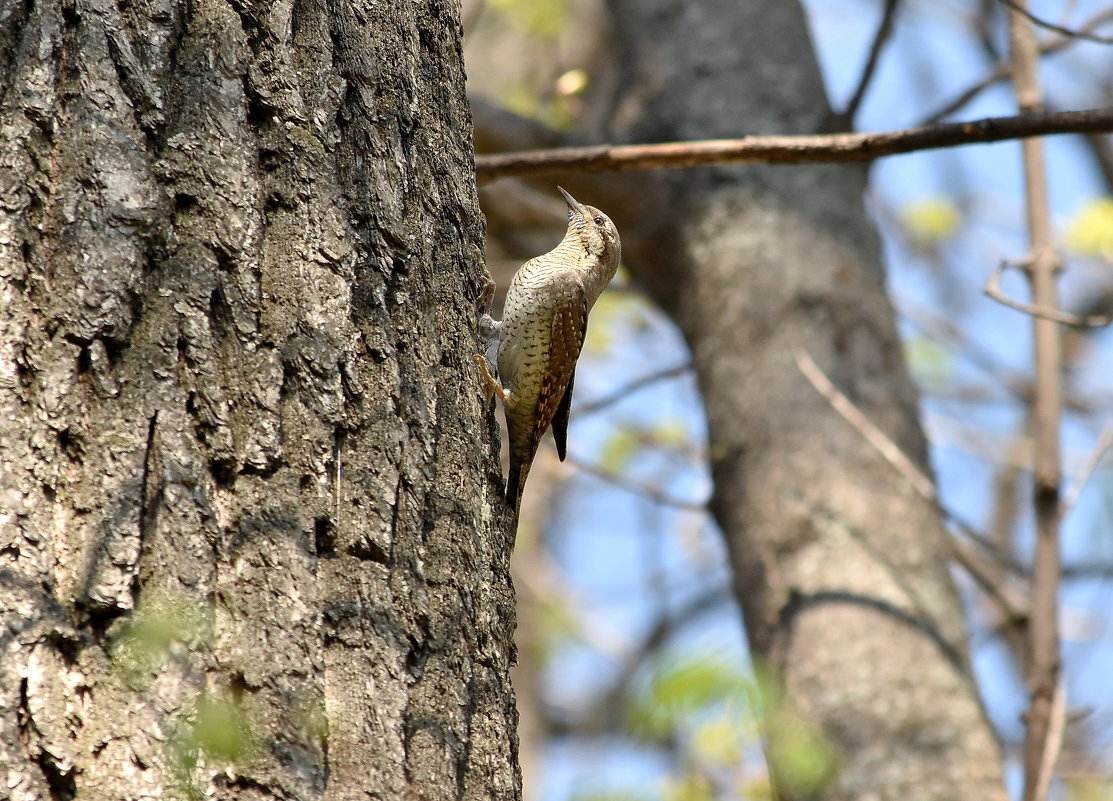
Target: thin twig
{"points": [[1023, 11], [652, 493], [877, 438], [548, 584], [993, 289], [1105, 441], [937, 326], [1044, 668], [841, 147], [987, 575], [1054, 741], [1002, 70], [629, 389], [1012, 605], [884, 31]]}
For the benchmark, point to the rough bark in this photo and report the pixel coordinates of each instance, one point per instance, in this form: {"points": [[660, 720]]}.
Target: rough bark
{"points": [[840, 567], [247, 543]]}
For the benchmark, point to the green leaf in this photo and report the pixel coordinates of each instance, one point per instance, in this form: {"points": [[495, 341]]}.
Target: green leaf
{"points": [[689, 787], [622, 446], [1090, 233], [719, 742], [547, 18], [930, 363], [682, 689], [930, 221], [221, 729], [146, 638]]}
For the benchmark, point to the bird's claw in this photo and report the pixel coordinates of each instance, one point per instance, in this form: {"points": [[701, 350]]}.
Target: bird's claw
{"points": [[486, 298], [492, 385]]}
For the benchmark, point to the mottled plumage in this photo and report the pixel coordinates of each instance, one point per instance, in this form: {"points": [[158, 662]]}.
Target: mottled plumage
{"points": [[542, 332]]}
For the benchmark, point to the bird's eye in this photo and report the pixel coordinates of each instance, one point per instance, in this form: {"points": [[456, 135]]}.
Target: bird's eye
{"points": [[598, 221]]}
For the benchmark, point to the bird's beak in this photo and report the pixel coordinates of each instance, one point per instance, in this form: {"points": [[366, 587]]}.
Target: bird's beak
{"points": [[572, 202]]}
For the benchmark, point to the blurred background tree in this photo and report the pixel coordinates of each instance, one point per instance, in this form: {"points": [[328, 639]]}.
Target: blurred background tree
{"points": [[635, 678]]}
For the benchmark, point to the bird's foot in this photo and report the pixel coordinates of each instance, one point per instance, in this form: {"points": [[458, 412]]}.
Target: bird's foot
{"points": [[490, 382], [486, 298], [489, 328]]}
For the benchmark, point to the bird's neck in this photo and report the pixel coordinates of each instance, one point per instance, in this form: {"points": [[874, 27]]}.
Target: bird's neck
{"points": [[597, 270]]}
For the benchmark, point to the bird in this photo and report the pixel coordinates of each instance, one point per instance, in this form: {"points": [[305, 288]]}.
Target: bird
{"points": [[542, 333]]}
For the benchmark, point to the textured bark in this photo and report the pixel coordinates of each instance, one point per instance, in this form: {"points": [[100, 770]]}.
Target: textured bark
{"points": [[240, 249], [841, 569]]}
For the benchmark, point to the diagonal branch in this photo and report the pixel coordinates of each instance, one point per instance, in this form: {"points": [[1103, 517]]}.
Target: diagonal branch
{"points": [[884, 30], [1022, 10], [1004, 69], [841, 147], [1105, 441], [1011, 606], [622, 393], [638, 488]]}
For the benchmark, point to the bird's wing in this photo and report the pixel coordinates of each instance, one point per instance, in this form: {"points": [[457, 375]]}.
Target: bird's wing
{"points": [[569, 326]]}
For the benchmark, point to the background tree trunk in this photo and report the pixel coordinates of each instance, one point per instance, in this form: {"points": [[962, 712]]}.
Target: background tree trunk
{"points": [[840, 567], [247, 540]]}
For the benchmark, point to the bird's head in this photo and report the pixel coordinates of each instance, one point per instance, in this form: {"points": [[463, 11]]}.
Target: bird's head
{"points": [[591, 228]]}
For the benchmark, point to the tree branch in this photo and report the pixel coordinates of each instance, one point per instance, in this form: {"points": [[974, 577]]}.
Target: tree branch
{"points": [[1023, 11], [842, 147], [1011, 606], [1105, 441], [652, 493], [993, 289], [884, 30], [1004, 69], [622, 393], [1044, 668]]}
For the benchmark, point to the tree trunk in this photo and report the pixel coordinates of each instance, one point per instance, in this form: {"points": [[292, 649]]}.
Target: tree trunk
{"points": [[248, 547], [840, 567]]}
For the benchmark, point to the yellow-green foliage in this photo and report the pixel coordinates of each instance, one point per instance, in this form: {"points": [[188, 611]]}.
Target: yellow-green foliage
{"points": [[1089, 788], [684, 689], [220, 729], [619, 449], [1090, 233], [149, 633], [538, 17], [930, 221], [800, 755], [612, 312], [688, 787], [930, 363]]}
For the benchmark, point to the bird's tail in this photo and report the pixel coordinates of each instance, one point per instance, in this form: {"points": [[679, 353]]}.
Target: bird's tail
{"points": [[515, 483], [513, 487], [516, 478]]}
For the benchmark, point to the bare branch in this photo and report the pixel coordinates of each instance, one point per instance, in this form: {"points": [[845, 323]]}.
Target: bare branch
{"points": [[884, 30], [637, 488], [1011, 604], [1054, 740], [1004, 69], [1023, 11], [849, 412], [1044, 668], [993, 289], [1087, 470], [841, 147], [629, 389]]}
